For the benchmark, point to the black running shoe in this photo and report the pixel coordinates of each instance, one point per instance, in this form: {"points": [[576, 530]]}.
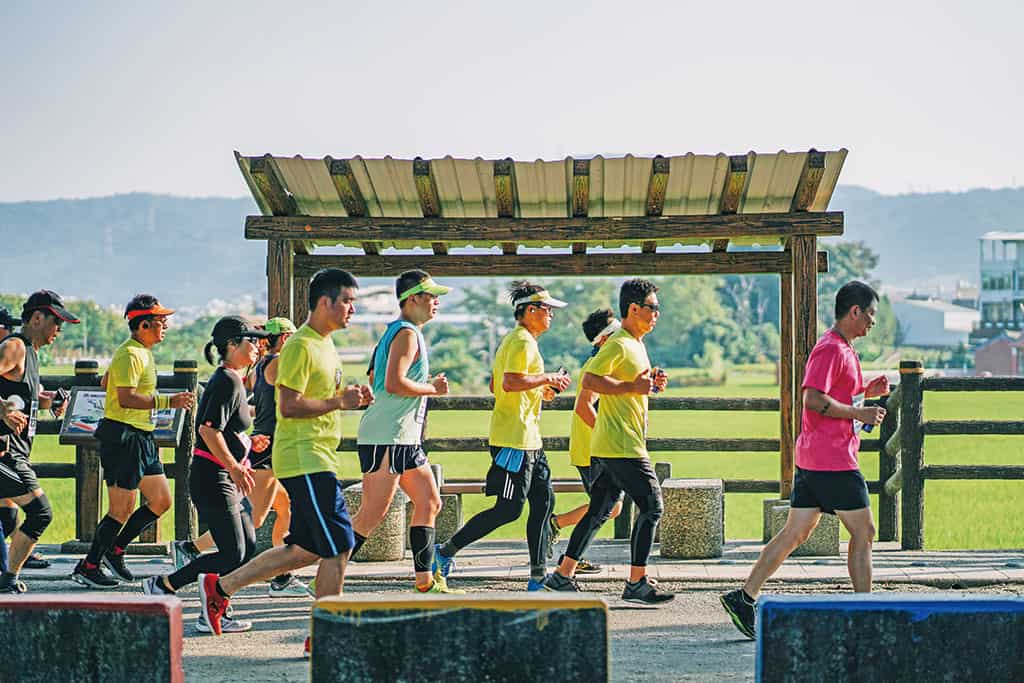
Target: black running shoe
{"points": [[36, 561], [740, 611], [646, 592], [10, 584], [585, 567], [560, 584], [115, 563], [92, 577]]}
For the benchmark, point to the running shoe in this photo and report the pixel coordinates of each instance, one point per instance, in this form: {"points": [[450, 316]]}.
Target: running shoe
{"points": [[440, 585], [740, 610], [585, 567], [306, 649], [647, 592], [557, 583], [182, 554], [553, 531], [291, 587], [11, 585], [534, 585], [151, 586], [115, 563], [92, 577], [211, 603], [36, 561], [442, 565], [227, 625]]}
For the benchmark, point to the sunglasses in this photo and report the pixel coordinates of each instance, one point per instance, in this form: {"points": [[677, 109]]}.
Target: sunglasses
{"points": [[653, 308], [546, 309]]}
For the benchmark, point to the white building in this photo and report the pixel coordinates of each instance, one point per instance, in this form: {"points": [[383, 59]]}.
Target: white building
{"points": [[929, 322]]}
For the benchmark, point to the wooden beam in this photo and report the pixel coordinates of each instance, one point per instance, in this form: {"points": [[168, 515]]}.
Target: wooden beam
{"points": [[300, 299], [426, 188], [279, 278], [489, 231], [345, 185], [786, 438], [805, 314], [267, 179], [579, 247], [440, 248], [810, 179], [580, 196], [597, 265], [734, 184], [656, 188], [505, 187], [509, 248], [720, 245]]}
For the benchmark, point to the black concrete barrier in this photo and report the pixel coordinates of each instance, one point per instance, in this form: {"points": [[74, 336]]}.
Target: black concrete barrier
{"points": [[90, 637], [890, 637], [477, 637]]}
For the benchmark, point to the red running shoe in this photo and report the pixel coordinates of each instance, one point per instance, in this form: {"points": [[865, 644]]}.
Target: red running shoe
{"points": [[213, 604], [306, 649]]}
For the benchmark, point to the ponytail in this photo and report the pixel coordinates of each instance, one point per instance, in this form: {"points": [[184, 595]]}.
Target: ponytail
{"points": [[208, 353]]}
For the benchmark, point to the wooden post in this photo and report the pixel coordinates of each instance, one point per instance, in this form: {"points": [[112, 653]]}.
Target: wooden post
{"points": [[912, 455], [185, 519], [88, 473], [786, 438], [300, 299], [805, 314], [888, 511], [279, 278]]}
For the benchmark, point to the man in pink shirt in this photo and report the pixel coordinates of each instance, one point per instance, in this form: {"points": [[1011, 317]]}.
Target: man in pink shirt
{"points": [[827, 477]]}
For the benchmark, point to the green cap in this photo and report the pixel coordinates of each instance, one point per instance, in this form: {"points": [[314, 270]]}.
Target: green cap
{"points": [[427, 285], [279, 326]]}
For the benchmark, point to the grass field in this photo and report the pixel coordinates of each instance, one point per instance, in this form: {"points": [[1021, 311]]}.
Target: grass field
{"points": [[982, 514]]}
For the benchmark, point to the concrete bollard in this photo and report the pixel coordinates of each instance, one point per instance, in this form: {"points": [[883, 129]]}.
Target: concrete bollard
{"points": [[692, 523], [498, 636], [766, 510], [824, 540], [387, 542], [448, 520], [90, 637], [890, 637]]}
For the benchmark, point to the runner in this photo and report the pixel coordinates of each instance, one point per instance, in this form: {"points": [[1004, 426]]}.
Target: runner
{"points": [[267, 493], [827, 477], [621, 374], [309, 400], [598, 328], [390, 431], [128, 454], [220, 473], [20, 400], [519, 471]]}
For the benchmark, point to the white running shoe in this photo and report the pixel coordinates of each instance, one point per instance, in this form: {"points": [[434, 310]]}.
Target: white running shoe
{"points": [[294, 587], [227, 625]]}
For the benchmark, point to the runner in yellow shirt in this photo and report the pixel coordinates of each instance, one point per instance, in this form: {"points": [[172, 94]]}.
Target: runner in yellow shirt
{"points": [[519, 469], [597, 328], [621, 373]]}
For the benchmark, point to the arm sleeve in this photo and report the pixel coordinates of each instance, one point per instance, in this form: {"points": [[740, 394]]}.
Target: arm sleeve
{"points": [[220, 402], [823, 367], [293, 368], [607, 359], [126, 370]]}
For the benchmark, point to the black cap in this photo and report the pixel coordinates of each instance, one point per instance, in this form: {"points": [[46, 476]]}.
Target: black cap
{"points": [[232, 327], [46, 300]]}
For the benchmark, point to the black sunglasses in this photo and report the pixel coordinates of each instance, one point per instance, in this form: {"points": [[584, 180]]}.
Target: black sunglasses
{"points": [[654, 308]]}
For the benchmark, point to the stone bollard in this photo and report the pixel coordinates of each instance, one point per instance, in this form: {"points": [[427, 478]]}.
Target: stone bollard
{"points": [[824, 540], [766, 511], [692, 523], [387, 542]]}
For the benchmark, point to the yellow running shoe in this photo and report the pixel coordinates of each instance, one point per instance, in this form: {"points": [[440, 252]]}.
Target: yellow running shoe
{"points": [[440, 585]]}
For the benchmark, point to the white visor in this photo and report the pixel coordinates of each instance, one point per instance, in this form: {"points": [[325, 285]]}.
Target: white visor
{"points": [[541, 297]]}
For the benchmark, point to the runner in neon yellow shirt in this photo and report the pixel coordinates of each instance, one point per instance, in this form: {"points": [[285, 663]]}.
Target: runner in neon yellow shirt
{"points": [[519, 469]]}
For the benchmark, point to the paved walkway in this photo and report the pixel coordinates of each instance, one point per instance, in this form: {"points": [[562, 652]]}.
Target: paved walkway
{"points": [[506, 560]]}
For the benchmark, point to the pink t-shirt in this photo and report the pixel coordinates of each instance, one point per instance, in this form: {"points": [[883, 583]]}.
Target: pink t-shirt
{"points": [[827, 443]]}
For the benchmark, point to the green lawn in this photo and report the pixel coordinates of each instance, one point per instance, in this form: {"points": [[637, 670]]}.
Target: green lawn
{"points": [[958, 514]]}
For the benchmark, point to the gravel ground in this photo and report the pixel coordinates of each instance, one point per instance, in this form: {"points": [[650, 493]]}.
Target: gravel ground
{"points": [[689, 639]]}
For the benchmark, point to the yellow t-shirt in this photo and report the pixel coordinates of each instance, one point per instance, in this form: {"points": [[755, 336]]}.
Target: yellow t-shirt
{"points": [[308, 364], [580, 432], [621, 428], [515, 422], [131, 366]]}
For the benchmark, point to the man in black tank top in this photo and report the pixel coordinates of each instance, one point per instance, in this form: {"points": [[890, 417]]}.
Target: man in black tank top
{"points": [[20, 399]]}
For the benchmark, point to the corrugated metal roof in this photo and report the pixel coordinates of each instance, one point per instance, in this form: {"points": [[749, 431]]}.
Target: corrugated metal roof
{"points": [[544, 189], [999, 236]]}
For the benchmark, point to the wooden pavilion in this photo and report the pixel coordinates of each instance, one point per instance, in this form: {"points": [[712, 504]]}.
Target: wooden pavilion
{"points": [[502, 218]]}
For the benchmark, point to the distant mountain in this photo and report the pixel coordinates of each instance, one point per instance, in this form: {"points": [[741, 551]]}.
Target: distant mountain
{"points": [[188, 251]]}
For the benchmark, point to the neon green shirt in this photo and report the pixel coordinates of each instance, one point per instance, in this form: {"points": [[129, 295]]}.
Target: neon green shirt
{"points": [[131, 366], [621, 428], [580, 432], [515, 422], [308, 364]]}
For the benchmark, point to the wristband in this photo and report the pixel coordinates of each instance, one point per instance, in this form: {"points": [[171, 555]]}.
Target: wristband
{"points": [[161, 401]]}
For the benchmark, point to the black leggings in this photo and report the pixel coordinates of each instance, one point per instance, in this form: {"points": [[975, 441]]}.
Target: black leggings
{"points": [[537, 482], [636, 477], [219, 505]]}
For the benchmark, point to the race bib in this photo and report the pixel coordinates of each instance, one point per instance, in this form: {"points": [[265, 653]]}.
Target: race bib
{"points": [[858, 402], [421, 412], [32, 417]]}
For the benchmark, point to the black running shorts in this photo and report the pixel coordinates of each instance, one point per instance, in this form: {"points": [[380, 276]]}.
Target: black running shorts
{"points": [[127, 454], [829, 491], [400, 457]]}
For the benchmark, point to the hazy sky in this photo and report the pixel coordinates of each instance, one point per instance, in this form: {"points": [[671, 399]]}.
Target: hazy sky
{"points": [[104, 97]]}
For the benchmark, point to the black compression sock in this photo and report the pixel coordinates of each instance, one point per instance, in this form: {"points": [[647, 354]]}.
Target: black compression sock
{"points": [[421, 542], [106, 532], [136, 524]]}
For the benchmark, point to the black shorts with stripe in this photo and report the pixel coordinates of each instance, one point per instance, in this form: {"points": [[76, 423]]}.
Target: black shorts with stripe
{"points": [[401, 457], [16, 477], [515, 486], [320, 521]]}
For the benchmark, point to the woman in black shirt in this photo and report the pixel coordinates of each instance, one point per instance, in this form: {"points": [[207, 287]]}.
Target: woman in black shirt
{"points": [[220, 475]]}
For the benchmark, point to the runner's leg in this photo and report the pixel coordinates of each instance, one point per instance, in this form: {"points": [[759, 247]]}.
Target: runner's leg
{"points": [[799, 525], [861, 526], [418, 483]]}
